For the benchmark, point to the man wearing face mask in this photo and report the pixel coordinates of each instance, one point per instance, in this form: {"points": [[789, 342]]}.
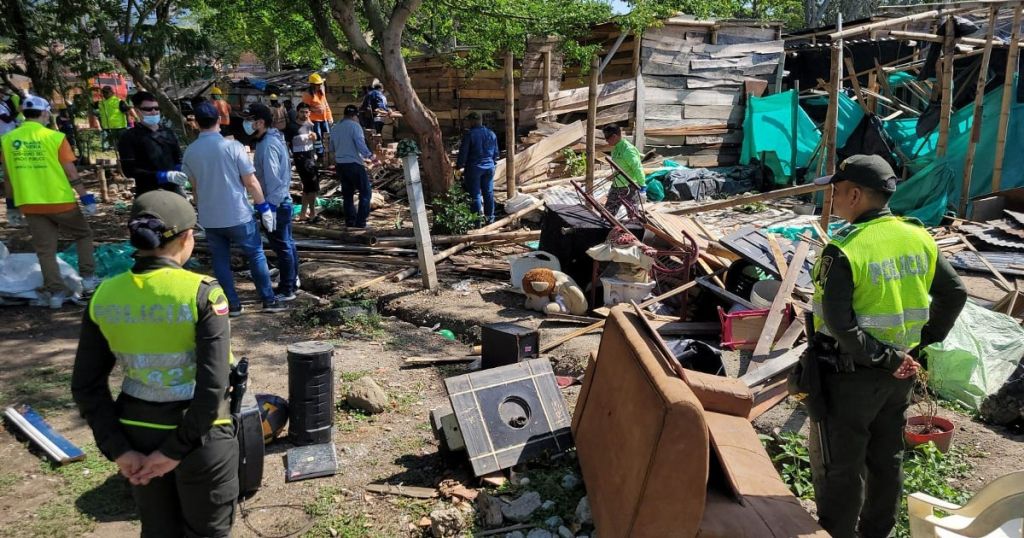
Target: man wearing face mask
{"points": [[882, 293], [149, 152]]}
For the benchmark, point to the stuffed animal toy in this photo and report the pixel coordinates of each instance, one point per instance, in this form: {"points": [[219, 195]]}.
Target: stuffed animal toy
{"points": [[553, 292]]}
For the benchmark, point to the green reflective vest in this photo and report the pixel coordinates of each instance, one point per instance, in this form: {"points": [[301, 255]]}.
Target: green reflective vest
{"points": [[149, 320], [111, 116], [31, 153], [893, 264]]}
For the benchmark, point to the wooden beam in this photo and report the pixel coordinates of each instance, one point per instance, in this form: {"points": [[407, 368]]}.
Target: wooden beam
{"points": [[774, 367], [979, 105], [612, 51], [899, 21], [595, 74], [510, 126], [861, 96], [946, 81], [780, 260], [777, 310], [420, 226], [1004, 108], [832, 119], [933, 38], [546, 98], [740, 200], [640, 118]]}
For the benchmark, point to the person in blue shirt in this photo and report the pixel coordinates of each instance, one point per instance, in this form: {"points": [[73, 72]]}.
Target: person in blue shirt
{"points": [[477, 155], [375, 108], [350, 154]]}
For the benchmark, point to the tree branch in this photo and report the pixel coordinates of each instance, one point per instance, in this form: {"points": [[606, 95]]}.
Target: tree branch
{"points": [[401, 14], [322, 25], [345, 14], [374, 15]]}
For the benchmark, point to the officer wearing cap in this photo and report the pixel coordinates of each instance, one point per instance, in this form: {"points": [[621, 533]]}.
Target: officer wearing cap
{"points": [[882, 293], [170, 430]]}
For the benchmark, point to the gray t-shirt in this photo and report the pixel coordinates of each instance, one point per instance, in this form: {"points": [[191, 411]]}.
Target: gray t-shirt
{"points": [[216, 166]]}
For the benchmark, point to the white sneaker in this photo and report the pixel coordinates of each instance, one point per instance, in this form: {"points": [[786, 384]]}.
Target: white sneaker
{"points": [[57, 300], [90, 283]]}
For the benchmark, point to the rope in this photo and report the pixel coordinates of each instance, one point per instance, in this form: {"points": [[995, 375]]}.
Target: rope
{"points": [[302, 530]]}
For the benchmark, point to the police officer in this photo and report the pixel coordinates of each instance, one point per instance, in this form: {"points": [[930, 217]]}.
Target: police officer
{"points": [[113, 112], [169, 431], [882, 292]]}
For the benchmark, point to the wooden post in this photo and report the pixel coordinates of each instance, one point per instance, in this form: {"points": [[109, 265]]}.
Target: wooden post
{"points": [[796, 118], [546, 104], [946, 82], [979, 106], [510, 127], [592, 122], [420, 227], [639, 122], [1004, 109], [101, 174], [832, 120]]}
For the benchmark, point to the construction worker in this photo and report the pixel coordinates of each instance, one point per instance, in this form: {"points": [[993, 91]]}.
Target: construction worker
{"points": [[274, 172], [279, 113], [477, 156], [42, 183], [149, 152], [319, 111], [302, 135], [350, 153], [375, 108], [882, 293], [113, 113], [222, 174], [170, 430], [223, 111], [624, 153]]}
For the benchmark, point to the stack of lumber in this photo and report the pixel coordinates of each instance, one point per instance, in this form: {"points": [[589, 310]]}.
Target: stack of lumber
{"points": [[694, 79]]}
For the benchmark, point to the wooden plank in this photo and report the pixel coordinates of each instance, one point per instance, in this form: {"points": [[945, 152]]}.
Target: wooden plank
{"points": [[405, 491], [979, 105], [777, 365], [741, 49], [732, 113], [640, 123], [421, 229], [687, 328], [528, 158], [892, 23], [579, 95], [1004, 109], [673, 113], [595, 74], [727, 63], [693, 83], [780, 260], [946, 82], [418, 361], [731, 137], [691, 97], [547, 81], [777, 310]]}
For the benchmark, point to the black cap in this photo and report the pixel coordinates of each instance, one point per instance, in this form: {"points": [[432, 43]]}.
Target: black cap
{"points": [[205, 110], [259, 111], [473, 116], [871, 171], [351, 110], [171, 208]]}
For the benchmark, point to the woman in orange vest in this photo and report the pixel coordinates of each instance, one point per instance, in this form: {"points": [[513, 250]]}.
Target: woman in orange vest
{"points": [[319, 111]]}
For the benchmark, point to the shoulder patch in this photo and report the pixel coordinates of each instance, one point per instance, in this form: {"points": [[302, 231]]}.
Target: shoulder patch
{"points": [[219, 301], [914, 221], [823, 269]]}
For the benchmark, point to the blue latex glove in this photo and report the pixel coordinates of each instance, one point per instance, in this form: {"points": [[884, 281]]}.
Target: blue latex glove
{"points": [[171, 176], [88, 204]]}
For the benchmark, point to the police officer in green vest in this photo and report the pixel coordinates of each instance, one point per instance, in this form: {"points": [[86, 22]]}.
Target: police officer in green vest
{"points": [[170, 430], [882, 293], [113, 112]]}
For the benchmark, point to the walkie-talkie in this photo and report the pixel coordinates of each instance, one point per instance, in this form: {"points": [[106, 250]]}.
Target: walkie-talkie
{"points": [[239, 381]]}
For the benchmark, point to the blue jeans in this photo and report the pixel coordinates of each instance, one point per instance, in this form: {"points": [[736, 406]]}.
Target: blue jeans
{"points": [[247, 237], [353, 178], [322, 130], [479, 183], [283, 245]]}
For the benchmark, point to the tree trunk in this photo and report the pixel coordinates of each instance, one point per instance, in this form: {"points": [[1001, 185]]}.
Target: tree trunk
{"points": [[35, 66]]}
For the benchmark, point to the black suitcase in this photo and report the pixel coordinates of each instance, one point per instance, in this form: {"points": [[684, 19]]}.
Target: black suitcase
{"points": [[249, 429]]}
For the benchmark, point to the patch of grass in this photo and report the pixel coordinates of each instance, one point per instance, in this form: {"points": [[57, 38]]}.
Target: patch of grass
{"points": [[349, 377], [349, 420], [925, 469], [91, 491], [44, 388], [959, 408], [326, 509], [547, 481], [7, 480], [415, 508]]}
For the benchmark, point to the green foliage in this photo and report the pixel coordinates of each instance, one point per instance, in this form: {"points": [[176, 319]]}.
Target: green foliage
{"points": [[239, 26], [925, 469], [575, 163], [451, 215]]}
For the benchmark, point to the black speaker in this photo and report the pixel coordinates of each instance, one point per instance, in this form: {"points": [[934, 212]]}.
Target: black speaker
{"points": [[310, 392], [250, 446]]}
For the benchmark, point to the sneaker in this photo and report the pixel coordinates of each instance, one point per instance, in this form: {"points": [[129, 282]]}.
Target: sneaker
{"points": [[273, 307], [57, 300], [298, 283], [285, 297], [234, 311], [90, 283]]}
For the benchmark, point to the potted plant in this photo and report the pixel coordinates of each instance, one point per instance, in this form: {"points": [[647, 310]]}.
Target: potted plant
{"points": [[928, 426]]}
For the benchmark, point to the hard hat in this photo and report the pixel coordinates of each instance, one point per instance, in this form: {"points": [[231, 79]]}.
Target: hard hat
{"points": [[315, 78], [273, 97], [216, 91]]}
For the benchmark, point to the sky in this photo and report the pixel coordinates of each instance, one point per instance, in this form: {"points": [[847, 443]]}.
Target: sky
{"points": [[619, 6]]}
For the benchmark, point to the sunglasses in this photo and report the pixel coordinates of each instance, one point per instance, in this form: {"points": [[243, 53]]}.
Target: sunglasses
{"points": [[149, 108]]}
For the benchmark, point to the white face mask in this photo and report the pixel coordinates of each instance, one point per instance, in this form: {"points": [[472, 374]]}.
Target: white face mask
{"points": [[151, 120], [248, 127]]}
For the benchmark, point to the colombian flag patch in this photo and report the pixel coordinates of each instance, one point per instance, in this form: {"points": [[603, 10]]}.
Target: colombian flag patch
{"points": [[220, 302]]}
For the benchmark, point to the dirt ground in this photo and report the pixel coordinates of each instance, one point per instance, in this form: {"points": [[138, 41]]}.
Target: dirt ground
{"points": [[89, 499]]}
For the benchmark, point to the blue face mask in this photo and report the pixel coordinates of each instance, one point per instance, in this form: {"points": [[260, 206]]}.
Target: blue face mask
{"points": [[151, 120], [248, 127]]}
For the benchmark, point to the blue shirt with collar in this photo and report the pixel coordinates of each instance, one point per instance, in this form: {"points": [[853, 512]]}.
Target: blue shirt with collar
{"points": [[349, 142], [479, 148], [216, 166], [273, 167]]}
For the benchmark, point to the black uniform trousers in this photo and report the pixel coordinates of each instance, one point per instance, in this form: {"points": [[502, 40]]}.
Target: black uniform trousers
{"points": [[198, 497], [856, 452]]}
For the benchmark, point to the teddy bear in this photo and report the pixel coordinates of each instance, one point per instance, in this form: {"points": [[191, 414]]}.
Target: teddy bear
{"points": [[553, 292]]}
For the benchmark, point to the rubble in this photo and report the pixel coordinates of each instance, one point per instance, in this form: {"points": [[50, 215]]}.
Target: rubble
{"points": [[366, 395], [521, 509]]}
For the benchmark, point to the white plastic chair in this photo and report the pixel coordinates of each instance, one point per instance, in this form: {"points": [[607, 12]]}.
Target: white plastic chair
{"points": [[995, 511]]}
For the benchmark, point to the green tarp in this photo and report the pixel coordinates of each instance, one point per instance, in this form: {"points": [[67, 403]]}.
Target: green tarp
{"points": [[768, 127]]}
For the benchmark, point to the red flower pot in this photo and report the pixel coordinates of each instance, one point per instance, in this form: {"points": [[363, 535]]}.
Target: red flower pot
{"points": [[942, 438]]}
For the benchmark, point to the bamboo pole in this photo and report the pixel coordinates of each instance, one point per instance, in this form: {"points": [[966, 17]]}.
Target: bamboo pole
{"points": [[740, 200], [1004, 108], [946, 80], [889, 23], [512, 237], [546, 103], [979, 107], [592, 122], [832, 119], [510, 127]]}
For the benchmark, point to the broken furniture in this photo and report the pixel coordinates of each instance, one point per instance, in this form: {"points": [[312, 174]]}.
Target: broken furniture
{"points": [[666, 457], [507, 415], [996, 510], [507, 343], [753, 245], [310, 392]]}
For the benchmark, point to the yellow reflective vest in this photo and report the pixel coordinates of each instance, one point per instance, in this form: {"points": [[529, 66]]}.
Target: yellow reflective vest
{"points": [[111, 116], [893, 264], [31, 156]]}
